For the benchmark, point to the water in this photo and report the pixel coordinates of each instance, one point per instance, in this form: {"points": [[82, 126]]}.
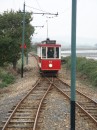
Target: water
{"points": [[90, 54]]}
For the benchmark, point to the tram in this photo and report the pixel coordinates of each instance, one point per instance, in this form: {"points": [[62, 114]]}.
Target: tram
{"points": [[49, 57]]}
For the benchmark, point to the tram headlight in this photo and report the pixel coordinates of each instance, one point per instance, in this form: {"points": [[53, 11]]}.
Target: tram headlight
{"points": [[50, 65]]}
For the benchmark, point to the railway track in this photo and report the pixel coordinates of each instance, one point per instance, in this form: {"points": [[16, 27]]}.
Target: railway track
{"points": [[27, 114], [87, 107]]}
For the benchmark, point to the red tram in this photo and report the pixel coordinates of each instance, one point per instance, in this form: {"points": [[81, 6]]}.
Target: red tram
{"points": [[49, 54]]}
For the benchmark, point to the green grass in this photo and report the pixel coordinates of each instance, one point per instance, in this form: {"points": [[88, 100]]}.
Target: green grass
{"points": [[3, 84], [6, 78]]}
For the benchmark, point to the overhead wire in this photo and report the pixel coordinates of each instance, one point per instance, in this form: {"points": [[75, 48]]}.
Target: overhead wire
{"points": [[40, 10], [35, 8], [38, 4]]}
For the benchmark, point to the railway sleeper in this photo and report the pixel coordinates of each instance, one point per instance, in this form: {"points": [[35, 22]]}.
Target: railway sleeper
{"points": [[22, 110], [87, 105], [20, 121], [12, 123], [91, 108], [18, 117], [24, 114], [84, 102], [30, 105], [27, 108], [21, 126], [91, 111]]}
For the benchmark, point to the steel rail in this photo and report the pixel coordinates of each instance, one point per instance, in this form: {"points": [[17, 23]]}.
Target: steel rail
{"points": [[78, 105], [61, 91], [37, 114], [78, 92], [8, 120], [93, 119]]}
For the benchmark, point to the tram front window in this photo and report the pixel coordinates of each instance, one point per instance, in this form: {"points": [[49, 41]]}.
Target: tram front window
{"points": [[50, 53]]}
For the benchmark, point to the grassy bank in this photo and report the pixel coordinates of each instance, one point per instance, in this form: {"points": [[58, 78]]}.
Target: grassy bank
{"points": [[6, 78], [87, 68], [8, 75]]}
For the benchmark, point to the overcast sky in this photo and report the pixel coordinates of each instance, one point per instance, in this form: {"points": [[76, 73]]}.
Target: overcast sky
{"points": [[59, 27]]}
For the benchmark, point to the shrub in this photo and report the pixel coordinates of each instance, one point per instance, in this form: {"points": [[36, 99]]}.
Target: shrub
{"points": [[86, 67], [3, 84], [8, 78]]}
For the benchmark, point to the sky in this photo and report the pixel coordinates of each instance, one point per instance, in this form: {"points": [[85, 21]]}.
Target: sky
{"points": [[59, 28]]}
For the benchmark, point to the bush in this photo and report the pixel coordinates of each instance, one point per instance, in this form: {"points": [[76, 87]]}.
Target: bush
{"points": [[86, 67], [2, 85], [6, 79]]}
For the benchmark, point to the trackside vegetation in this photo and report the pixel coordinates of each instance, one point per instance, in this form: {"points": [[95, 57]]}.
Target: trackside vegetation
{"points": [[86, 67], [11, 26], [6, 78]]}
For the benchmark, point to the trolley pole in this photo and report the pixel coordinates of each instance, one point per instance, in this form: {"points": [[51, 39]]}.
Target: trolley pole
{"points": [[47, 28], [73, 64], [22, 66]]}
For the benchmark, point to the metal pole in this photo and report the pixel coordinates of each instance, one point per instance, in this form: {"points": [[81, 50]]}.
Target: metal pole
{"points": [[73, 64], [22, 66], [47, 28]]}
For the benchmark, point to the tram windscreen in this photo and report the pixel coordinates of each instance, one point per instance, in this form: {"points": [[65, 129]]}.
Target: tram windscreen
{"points": [[50, 52]]}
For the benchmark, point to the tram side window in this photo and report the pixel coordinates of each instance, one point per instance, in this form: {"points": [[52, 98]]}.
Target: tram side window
{"points": [[43, 52], [50, 52], [57, 52]]}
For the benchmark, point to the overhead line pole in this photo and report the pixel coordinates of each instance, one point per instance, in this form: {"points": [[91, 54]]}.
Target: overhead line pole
{"points": [[23, 39], [73, 64]]}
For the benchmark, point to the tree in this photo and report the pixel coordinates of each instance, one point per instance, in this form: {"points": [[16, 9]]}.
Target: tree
{"points": [[11, 26]]}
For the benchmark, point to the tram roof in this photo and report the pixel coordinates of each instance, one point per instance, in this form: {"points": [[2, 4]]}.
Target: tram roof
{"points": [[49, 45]]}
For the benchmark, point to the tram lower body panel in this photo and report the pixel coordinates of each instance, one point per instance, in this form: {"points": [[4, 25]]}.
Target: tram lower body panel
{"points": [[50, 66]]}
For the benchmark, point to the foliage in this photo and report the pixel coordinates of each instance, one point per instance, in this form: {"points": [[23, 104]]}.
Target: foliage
{"points": [[11, 26], [2, 85], [86, 67], [6, 78]]}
